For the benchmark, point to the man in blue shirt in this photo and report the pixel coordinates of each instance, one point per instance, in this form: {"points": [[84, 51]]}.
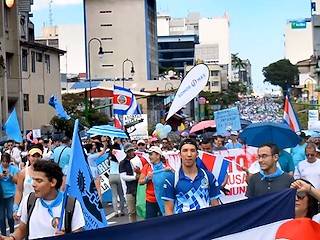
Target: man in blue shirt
{"points": [[234, 141], [61, 156], [191, 187]]}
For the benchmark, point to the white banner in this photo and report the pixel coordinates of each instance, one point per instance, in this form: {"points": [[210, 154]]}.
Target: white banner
{"points": [[193, 83], [236, 183], [137, 126]]}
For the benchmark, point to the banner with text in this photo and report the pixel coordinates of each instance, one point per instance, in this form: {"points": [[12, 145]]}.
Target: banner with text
{"points": [[136, 125]]}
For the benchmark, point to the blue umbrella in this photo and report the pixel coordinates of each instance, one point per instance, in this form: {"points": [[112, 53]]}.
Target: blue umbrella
{"points": [[280, 134], [107, 130]]}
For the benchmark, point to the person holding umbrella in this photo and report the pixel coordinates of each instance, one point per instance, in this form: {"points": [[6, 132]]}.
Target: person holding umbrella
{"points": [[270, 178]]}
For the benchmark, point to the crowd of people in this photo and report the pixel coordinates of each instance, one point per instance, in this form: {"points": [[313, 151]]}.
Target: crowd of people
{"points": [[33, 177], [256, 109]]}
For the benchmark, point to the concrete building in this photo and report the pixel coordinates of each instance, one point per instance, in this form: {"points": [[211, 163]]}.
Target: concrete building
{"points": [[298, 40], [176, 51], [29, 72], [127, 29], [69, 38]]}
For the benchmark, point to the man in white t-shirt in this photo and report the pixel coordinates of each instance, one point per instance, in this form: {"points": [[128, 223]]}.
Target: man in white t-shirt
{"points": [[45, 216], [309, 169]]}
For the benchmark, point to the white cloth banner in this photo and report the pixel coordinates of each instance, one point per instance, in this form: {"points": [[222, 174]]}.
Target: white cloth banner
{"points": [[191, 86]]}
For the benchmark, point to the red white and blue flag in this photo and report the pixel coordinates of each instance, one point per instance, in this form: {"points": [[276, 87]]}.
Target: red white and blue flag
{"points": [[116, 122], [218, 165], [290, 116], [266, 217], [124, 102]]}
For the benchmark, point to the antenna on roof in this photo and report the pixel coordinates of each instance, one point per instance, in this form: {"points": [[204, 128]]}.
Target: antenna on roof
{"points": [[50, 13]]}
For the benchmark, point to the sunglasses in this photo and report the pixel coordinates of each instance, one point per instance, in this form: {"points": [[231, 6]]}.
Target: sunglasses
{"points": [[301, 195], [310, 155]]}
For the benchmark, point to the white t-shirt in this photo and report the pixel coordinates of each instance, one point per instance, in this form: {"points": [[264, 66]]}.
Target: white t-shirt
{"points": [[40, 224], [309, 171]]}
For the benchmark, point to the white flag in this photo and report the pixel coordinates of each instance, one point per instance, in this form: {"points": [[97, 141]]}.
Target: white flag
{"points": [[191, 86]]}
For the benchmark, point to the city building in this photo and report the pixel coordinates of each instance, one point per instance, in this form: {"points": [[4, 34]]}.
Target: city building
{"points": [[69, 38], [176, 51], [298, 40], [127, 30], [29, 71], [243, 74]]}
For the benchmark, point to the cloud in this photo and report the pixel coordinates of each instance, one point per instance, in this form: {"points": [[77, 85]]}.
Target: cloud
{"points": [[43, 4]]}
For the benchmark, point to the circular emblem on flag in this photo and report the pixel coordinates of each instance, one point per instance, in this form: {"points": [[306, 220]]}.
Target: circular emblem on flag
{"points": [[204, 183], [122, 99]]}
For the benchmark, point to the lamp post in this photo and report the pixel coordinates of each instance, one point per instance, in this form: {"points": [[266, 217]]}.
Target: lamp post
{"points": [[132, 69], [100, 53]]}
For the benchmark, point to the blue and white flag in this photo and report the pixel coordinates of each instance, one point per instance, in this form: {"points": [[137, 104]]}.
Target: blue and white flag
{"points": [[12, 127], [255, 218], [124, 102], [56, 104], [80, 185]]}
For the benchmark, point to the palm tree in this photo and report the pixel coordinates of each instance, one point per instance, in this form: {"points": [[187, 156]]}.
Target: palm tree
{"points": [[237, 63]]}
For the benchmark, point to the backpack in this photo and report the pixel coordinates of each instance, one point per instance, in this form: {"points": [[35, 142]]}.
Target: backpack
{"points": [[69, 210]]}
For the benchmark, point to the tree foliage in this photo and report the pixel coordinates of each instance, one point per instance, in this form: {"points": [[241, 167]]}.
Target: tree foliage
{"points": [[74, 104], [281, 73]]}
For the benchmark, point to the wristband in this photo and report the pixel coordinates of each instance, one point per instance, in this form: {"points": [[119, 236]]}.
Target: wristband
{"points": [[15, 207]]}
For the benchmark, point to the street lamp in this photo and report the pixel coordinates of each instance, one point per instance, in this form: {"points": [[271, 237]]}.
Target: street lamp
{"points": [[100, 53], [132, 69]]}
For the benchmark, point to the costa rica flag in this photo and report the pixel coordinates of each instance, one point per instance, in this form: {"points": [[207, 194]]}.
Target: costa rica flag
{"points": [[124, 102], [290, 116]]}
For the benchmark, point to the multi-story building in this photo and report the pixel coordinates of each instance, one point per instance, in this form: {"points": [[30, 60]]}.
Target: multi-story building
{"points": [[29, 73], [298, 40], [126, 29], [176, 51], [69, 38]]}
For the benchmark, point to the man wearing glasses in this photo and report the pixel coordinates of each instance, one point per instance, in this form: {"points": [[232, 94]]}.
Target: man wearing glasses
{"points": [[309, 169], [270, 178]]}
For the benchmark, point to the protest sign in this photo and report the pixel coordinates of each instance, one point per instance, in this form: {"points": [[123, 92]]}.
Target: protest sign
{"points": [[227, 119], [136, 125], [236, 182]]}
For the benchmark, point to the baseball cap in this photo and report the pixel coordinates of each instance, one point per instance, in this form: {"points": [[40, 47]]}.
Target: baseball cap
{"points": [[155, 149], [128, 146], [32, 151], [235, 133], [141, 142]]}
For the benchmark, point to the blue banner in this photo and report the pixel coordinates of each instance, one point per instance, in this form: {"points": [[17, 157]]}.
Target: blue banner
{"points": [[209, 223], [80, 184], [227, 119]]}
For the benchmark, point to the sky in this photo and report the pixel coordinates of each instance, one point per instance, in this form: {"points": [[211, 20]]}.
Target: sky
{"points": [[256, 26]]}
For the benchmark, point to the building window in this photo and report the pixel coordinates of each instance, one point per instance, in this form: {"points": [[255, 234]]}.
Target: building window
{"points": [[215, 84], [47, 62], [33, 61], [40, 99], [26, 102], [24, 60], [106, 39], [39, 57], [106, 25], [107, 65], [105, 11], [214, 73]]}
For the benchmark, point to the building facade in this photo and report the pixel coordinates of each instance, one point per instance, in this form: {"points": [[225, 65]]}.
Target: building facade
{"points": [[176, 51], [298, 40], [126, 29], [29, 72]]}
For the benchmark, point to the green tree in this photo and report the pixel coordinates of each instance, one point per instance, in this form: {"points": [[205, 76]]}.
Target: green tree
{"points": [[281, 73], [237, 63]]}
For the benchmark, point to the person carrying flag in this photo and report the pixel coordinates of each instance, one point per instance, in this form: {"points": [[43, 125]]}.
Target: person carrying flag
{"points": [[41, 218], [191, 187]]}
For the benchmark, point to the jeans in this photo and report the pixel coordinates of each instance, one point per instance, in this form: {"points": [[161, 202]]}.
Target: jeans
{"points": [[116, 189], [6, 210], [152, 210]]}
